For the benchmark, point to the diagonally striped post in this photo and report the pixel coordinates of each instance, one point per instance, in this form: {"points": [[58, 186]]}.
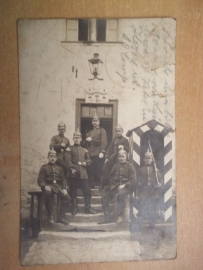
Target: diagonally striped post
{"points": [[135, 144]]}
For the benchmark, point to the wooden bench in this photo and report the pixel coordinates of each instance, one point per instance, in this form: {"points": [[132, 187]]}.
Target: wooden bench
{"points": [[34, 227], [35, 223]]}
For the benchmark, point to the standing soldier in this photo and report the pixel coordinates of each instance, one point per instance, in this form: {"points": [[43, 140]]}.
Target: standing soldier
{"points": [[52, 181], [59, 143], [122, 181], [97, 143], [149, 181], [118, 143], [78, 159]]}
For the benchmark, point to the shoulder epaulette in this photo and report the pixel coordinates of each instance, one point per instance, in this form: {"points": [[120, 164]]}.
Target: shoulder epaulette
{"points": [[44, 165]]}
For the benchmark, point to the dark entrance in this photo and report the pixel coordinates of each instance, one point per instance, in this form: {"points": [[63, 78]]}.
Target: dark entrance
{"points": [[106, 112]]}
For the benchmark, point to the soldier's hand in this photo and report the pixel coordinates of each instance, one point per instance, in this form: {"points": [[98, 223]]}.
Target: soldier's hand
{"points": [[73, 171], [63, 144], [84, 164], [106, 160], [79, 163], [64, 192], [101, 155], [89, 139], [121, 186], [47, 188]]}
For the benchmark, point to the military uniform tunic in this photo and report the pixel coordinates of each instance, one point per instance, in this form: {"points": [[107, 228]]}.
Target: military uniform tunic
{"points": [[56, 142], [74, 156], [113, 149], [52, 175], [147, 182], [98, 143], [121, 174], [112, 155], [95, 147]]}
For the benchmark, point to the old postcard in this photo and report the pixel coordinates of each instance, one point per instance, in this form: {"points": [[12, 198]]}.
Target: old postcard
{"points": [[97, 127]]}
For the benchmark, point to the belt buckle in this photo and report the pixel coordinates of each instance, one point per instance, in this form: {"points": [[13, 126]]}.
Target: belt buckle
{"points": [[54, 181]]}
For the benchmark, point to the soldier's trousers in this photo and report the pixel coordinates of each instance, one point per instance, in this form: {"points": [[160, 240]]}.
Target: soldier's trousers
{"points": [[95, 168], [110, 194], [83, 184], [147, 211], [48, 197], [107, 169]]}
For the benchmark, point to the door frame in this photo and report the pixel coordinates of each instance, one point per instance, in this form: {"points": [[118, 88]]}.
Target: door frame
{"points": [[80, 102]]}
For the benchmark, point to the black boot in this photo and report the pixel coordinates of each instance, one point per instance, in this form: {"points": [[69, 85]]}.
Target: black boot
{"points": [[74, 207], [88, 209], [63, 210], [106, 219]]}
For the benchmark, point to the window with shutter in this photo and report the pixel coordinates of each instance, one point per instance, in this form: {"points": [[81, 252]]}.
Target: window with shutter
{"points": [[112, 30], [72, 30]]}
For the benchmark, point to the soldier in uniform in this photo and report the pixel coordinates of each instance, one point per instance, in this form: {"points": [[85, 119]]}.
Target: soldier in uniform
{"points": [[96, 146], [59, 143], [123, 180], [149, 181], [52, 181], [78, 159], [118, 143]]}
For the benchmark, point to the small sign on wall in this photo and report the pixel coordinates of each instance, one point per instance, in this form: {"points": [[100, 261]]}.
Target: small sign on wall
{"points": [[96, 96]]}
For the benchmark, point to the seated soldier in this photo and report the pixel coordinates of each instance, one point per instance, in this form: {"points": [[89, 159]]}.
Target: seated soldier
{"points": [[77, 159], [118, 143], [52, 181], [122, 181]]}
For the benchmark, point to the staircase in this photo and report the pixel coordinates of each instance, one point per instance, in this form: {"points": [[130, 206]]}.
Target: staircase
{"points": [[85, 226]]}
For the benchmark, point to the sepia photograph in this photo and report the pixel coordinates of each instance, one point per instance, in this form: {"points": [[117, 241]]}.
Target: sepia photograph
{"points": [[97, 140]]}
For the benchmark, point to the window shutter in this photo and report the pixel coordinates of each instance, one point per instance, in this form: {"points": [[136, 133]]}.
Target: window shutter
{"points": [[112, 30], [72, 30]]}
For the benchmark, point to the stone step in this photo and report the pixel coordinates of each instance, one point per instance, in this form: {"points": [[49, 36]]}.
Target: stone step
{"points": [[94, 200], [97, 207], [82, 217], [52, 236], [94, 226], [94, 192], [85, 227]]}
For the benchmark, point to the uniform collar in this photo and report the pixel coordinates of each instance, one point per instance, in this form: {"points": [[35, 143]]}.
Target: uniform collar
{"points": [[52, 164], [123, 162]]}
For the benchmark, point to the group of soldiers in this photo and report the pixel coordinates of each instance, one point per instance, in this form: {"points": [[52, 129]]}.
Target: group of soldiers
{"points": [[71, 167]]}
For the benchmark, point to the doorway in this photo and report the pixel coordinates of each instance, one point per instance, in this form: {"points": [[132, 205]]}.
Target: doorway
{"points": [[106, 112]]}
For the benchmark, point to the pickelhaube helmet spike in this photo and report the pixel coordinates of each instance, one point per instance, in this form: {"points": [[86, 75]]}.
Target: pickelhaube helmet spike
{"points": [[95, 116], [61, 124], [118, 127], [121, 152], [52, 152], [77, 133], [148, 154]]}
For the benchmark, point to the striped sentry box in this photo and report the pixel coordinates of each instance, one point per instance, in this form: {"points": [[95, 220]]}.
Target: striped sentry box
{"points": [[135, 136]]}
